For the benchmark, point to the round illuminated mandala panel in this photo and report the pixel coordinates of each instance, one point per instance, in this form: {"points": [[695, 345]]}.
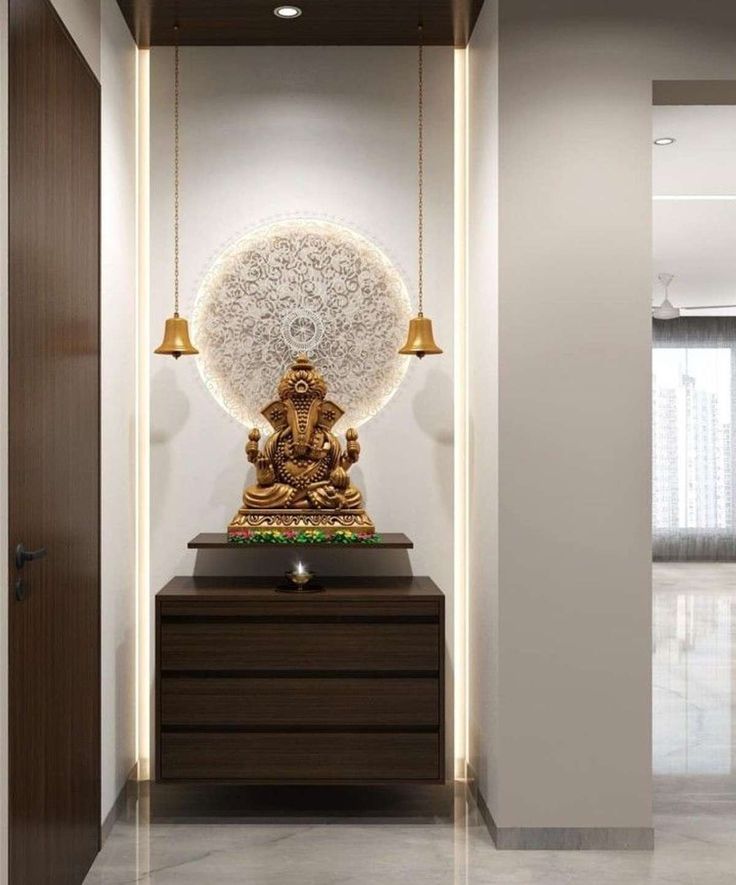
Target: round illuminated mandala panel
{"points": [[302, 286]]}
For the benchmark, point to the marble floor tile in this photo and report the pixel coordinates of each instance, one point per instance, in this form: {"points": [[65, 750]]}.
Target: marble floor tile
{"points": [[301, 837], [693, 666]]}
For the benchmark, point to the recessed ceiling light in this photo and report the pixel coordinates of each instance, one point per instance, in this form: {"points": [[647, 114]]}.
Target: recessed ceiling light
{"points": [[661, 141], [287, 11]]}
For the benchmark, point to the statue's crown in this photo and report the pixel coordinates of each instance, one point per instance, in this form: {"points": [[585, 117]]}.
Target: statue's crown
{"points": [[302, 379]]}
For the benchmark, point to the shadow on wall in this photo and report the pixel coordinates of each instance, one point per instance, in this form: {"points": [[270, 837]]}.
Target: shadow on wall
{"points": [[433, 408], [225, 496], [169, 406], [170, 410]]}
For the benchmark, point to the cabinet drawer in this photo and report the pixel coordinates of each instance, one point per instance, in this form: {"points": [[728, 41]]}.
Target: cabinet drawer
{"points": [[231, 644], [279, 702], [300, 758], [292, 605]]}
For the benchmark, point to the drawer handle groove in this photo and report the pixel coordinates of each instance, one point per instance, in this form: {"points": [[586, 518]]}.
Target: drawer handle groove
{"points": [[301, 674], [298, 619], [171, 728]]}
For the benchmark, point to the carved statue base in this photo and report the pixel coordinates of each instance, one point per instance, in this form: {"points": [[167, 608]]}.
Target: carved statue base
{"points": [[327, 521]]}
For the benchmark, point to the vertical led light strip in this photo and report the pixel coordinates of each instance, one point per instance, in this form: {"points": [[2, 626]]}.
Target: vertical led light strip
{"points": [[143, 627], [460, 609]]}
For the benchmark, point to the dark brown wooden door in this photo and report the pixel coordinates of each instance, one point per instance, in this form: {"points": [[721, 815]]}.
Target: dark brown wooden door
{"points": [[54, 485]]}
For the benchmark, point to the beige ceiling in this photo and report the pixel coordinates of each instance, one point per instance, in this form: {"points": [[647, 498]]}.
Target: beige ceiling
{"points": [[695, 239]]}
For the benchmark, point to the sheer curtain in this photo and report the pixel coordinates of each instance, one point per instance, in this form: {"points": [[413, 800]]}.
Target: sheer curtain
{"points": [[693, 418]]}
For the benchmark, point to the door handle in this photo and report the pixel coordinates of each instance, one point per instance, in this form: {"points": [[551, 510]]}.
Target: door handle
{"points": [[22, 556]]}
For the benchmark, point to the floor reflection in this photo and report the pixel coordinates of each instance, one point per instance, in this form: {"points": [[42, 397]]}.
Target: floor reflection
{"points": [[294, 836], [694, 660]]}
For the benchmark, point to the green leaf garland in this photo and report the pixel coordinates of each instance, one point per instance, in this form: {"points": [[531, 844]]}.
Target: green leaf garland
{"points": [[308, 536]]}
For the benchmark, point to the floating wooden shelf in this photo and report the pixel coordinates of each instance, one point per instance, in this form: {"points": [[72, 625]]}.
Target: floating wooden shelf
{"points": [[219, 541]]}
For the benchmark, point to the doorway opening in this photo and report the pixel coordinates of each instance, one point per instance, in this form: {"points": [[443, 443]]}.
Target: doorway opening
{"points": [[693, 449]]}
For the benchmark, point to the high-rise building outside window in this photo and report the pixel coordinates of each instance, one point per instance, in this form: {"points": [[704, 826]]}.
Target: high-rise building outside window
{"points": [[692, 447]]}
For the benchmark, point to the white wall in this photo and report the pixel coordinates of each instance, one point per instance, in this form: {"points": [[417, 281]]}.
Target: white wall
{"points": [[82, 18], [118, 327], [483, 615], [314, 131], [572, 743]]}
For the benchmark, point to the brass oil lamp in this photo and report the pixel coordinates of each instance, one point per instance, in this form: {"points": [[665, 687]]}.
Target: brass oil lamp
{"points": [[300, 580]]}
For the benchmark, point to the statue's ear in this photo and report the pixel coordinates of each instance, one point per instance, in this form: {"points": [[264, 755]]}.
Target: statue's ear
{"points": [[275, 414], [329, 415]]}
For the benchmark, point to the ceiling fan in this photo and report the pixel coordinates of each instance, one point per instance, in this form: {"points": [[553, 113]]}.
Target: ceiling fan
{"points": [[667, 310]]}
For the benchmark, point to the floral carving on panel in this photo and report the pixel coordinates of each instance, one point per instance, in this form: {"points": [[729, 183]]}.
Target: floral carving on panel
{"points": [[302, 286]]}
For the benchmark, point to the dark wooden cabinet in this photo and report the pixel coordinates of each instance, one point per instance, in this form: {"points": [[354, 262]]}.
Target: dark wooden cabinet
{"points": [[342, 687]]}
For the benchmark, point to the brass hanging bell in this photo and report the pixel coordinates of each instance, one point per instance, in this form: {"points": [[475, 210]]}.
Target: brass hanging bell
{"points": [[176, 341], [420, 340]]}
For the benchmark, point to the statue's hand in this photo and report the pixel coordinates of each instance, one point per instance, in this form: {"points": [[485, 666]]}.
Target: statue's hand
{"points": [[264, 471], [251, 447], [352, 449], [339, 479]]}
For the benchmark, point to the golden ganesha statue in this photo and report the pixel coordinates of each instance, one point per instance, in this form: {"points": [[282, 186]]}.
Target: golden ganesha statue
{"points": [[302, 479]]}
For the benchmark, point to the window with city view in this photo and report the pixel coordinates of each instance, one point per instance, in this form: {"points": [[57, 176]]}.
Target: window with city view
{"points": [[692, 474]]}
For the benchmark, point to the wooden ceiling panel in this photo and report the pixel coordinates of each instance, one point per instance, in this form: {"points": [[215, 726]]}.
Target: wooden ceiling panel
{"points": [[322, 23]]}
